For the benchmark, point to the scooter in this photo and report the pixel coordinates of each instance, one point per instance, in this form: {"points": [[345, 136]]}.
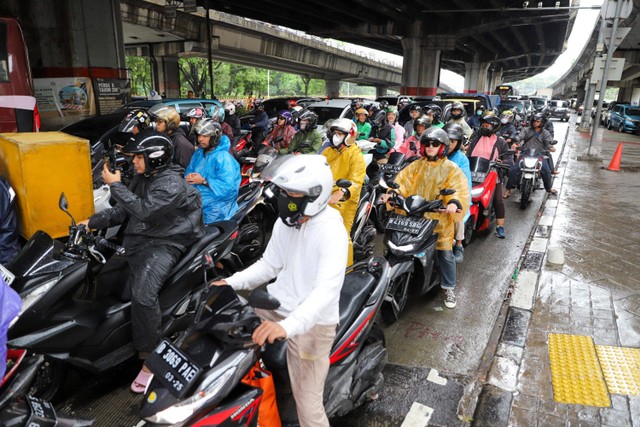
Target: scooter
{"points": [[63, 318], [197, 379]]}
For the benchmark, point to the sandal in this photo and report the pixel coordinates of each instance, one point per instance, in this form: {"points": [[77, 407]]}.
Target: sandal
{"points": [[139, 385], [506, 194], [553, 191]]}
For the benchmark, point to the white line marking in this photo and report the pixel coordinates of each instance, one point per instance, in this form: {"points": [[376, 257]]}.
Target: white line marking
{"points": [[434, 377], [418, 416]]}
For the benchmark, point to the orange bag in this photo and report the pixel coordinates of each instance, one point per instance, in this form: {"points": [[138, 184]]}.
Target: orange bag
{"points": [[268, 415]]}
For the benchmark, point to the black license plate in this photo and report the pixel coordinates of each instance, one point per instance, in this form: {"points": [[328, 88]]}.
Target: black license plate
{"points": [[406, 224], [42, 413], [173, 368]]}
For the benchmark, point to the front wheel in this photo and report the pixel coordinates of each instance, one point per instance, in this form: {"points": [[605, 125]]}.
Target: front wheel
{"points": [[621, 128], [49, 380], [525, 189], [396, 298], [609, 125]]}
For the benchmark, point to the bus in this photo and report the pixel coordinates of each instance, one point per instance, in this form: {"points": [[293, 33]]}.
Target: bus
{"points": [[504, 91], [18, 109]]}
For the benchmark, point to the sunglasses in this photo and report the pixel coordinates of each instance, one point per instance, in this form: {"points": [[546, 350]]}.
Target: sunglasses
{"points": [[434, 144]]}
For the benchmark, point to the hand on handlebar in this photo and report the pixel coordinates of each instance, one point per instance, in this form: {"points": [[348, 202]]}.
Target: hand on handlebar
{"points": [[218, 283], [451, 209], [268, 331], [84, 222]]}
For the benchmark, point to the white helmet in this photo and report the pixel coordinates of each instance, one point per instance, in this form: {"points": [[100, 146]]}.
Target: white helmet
{"points": [[230, 107], [346, 126], [308, 174]]}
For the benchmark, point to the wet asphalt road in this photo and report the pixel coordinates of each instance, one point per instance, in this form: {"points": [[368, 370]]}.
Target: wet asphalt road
{"points": [[426, 337]]}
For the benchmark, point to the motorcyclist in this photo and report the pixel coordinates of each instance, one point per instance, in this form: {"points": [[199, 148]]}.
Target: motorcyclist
{"points": [[411, 146], [260, 124], [291, 104], [306, 256], [392, 119], [194, 115], [548, 126], [486, 143], [163, 216], [214, 172], [435, 112], [457, 117], [231, 118], [167, 121], [456, 141], [538, 139], [135, 122], [282, 134], [364, 127], [426, 177], [356, 104], [346, 162], [474, 121], [9, 235], [216, 112], [383, 135], [508, 130], [415, 111], [307, 140]]}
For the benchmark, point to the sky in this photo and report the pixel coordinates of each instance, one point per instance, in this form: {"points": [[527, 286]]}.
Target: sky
{"points": [[582, 29]]}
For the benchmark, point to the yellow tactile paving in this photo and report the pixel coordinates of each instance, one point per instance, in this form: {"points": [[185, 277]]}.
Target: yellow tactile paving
{"points": [[575, 372], [621, 369]]}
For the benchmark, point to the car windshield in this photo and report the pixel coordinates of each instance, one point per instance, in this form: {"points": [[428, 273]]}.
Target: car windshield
{"points": [[511, 105], [633, 111], [538, 102]]}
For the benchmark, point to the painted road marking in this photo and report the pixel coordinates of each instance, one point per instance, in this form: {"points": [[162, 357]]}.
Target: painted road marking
{"points": [[524, 290], [434, 377], [418, 416]]}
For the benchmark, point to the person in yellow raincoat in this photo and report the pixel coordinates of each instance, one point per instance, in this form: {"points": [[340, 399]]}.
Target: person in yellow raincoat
{"points": [[427, 177], [346, 162]]}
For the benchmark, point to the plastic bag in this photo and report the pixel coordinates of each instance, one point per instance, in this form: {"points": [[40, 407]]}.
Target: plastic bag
{"points": [[268, 415]]}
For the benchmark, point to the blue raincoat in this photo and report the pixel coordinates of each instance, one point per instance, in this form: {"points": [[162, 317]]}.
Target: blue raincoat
{"points": [[463, 163], [10, 303], [222, 172]]}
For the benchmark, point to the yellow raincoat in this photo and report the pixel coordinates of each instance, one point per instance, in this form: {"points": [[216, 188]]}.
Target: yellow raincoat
{"points": [[347, 164], [426, 178]]}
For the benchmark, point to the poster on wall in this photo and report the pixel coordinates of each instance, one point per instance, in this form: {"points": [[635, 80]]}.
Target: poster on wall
{"points": [[64, 97], [111, 94]]}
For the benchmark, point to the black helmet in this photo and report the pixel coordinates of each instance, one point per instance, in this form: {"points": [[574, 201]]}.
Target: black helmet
{"points": [[310, 116], [422, 120], [493, 120], [436, 111], [135, 118], [537, 117], [156, 147], [435, 134], [457, 106], [258, 106], [455, 133], [379, 118], [384, 105], [415, 107]]}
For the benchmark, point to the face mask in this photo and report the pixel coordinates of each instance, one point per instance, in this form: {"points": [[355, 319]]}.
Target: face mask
{"points": [[504, 121], [485, 132], [337, 140], [479, 112], [290, 208]]}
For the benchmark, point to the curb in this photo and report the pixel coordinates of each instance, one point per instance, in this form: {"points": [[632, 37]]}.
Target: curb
{"points": [[493, 407]]}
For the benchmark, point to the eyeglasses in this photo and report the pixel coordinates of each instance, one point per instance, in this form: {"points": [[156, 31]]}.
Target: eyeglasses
{"points": [[432, 143]]}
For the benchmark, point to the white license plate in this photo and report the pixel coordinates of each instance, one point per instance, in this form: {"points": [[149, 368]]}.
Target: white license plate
{"points": [[528, 175], [7, 275]]}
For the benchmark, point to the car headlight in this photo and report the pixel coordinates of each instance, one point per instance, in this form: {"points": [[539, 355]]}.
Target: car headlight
{"points": [[530, 162], [477, 191], [31, 297]]}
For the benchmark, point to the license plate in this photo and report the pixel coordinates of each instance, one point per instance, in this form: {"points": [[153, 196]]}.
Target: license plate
{"points": [[528, 176], [7, 275], [405, 224], [173, 368], [42, 413]]}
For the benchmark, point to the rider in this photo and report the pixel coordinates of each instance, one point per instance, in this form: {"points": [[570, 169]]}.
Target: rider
{"points": [[163, 217], [426, 177], [457, 117], [538, 139], [135, 122], [231, 118], [508, 130], [306, 255], [411, 146], [415, 111], [282, 134], [307, 140], [214, 172], [435, 112], [474, 121], [216, 112], [260, 124], [291, 104], [363, 125], [383, 135], [487, 144], [392, 118], [346, 162], [167, 121], [194, 115], [456, 138]]}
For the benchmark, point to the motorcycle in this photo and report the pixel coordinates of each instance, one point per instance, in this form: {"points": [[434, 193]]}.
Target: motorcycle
{"points": [[197, 380], [64, 314], [530, 166]]}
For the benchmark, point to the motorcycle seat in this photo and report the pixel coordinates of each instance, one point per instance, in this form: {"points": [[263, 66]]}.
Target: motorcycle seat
{"points": [[212, 232], [356, 289]]}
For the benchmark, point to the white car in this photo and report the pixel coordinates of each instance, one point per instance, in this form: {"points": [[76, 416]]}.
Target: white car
{"points": [[332, 109]]}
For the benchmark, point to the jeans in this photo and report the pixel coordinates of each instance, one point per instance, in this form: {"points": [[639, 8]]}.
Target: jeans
{"points": [[447, 269]]}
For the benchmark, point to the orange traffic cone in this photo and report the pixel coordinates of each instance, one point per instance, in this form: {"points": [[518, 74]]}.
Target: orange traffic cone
{"points": [[615, 161]]}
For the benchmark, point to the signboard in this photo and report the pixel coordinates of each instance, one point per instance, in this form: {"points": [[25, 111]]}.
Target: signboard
{"points": [[609, 9], [615, 70], [111, 94], [64, 97], [621, 33]]}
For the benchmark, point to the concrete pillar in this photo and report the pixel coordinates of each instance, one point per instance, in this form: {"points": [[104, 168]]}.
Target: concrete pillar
{"points": [[585, 120], [166, 76], [421, 64], [332, 88], [475, 77], [625, 94], [495, 79], [381, 91]]}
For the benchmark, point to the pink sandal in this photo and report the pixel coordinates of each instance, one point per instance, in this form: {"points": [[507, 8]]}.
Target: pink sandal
{"points": [[139, 385]]}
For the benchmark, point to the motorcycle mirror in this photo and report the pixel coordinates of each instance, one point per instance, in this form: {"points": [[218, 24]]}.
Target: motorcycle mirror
{"points": [[63, 204], [207, 261], [554, 142], [447, 192], [343, 183], [260, 298], [393, 185]]}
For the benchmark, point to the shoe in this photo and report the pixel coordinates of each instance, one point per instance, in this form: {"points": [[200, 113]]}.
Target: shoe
{"points": [[449, 298], [500, 232], [140, 384], [458, 253]]}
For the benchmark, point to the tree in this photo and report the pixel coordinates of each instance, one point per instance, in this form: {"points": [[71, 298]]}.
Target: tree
{"points": [[140, 75]]}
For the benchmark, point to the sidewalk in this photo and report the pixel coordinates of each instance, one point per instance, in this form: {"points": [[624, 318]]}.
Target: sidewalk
{"points": [[582, 317]]}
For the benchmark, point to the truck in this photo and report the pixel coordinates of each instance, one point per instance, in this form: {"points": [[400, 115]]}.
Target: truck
{"points": [[546, 92]]}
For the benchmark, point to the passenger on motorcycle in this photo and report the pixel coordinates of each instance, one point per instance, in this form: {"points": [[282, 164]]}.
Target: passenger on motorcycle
{"points": [[533, 137], [364, 127], [474, 121], [214, 172], [426, 177], [307, 140], [135, 122], [486, 143], [194, 115], [548, 126], [411, 146], [163, 217], [392, 118], [282, 134], [456, 140], [231, 118], [346, 162], [216, 112], [260, 124], [435, 113], [457, 117], [167, 120], [415, 111], [306, 255], [508, 130], [383, 135]]}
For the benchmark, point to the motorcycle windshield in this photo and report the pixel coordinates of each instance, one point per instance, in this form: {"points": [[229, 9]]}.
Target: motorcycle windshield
{"points": [[479, 169], [396, 158], [38, 257]]}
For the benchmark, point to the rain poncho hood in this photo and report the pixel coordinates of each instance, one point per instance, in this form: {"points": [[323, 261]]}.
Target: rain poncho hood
{"points": [[427, 178], [222, 172]]}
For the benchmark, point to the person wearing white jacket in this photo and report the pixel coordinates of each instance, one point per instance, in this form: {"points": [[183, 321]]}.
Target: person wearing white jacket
{"points": [[306, 255]]}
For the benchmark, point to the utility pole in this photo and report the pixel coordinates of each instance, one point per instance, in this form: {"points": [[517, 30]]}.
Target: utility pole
{"points": [[209, 48]]}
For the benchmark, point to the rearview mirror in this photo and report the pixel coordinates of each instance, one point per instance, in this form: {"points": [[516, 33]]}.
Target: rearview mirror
{"points": [[260, 298], [343, 183], [447, 192], [63, 204]]}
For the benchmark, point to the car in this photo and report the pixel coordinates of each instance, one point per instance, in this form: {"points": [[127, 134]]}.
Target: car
{"points": [[515, 105], [273, 106], [337, 108], [625, 118], [393, 100], [604, 115], [559, 109], [539, 102]]}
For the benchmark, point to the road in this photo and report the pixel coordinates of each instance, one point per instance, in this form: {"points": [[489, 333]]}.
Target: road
{"points": [[427, 337]]}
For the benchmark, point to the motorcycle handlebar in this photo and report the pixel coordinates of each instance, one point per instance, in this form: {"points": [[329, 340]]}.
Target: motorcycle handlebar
{"points": [[104, 243]]}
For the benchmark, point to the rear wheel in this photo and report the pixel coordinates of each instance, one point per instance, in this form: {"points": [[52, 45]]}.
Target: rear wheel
{"points": [[398, 292], [525, 189], [609, 125], [468, 231], [621, 128]]}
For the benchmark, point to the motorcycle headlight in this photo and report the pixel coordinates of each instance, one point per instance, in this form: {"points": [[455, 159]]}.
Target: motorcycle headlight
{"points": [[31, 297], [477, 191], [401, 248], [184, 409], [530, 162]]}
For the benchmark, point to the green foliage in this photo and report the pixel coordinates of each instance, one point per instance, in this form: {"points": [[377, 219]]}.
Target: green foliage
{"points": [[139, 74]]}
